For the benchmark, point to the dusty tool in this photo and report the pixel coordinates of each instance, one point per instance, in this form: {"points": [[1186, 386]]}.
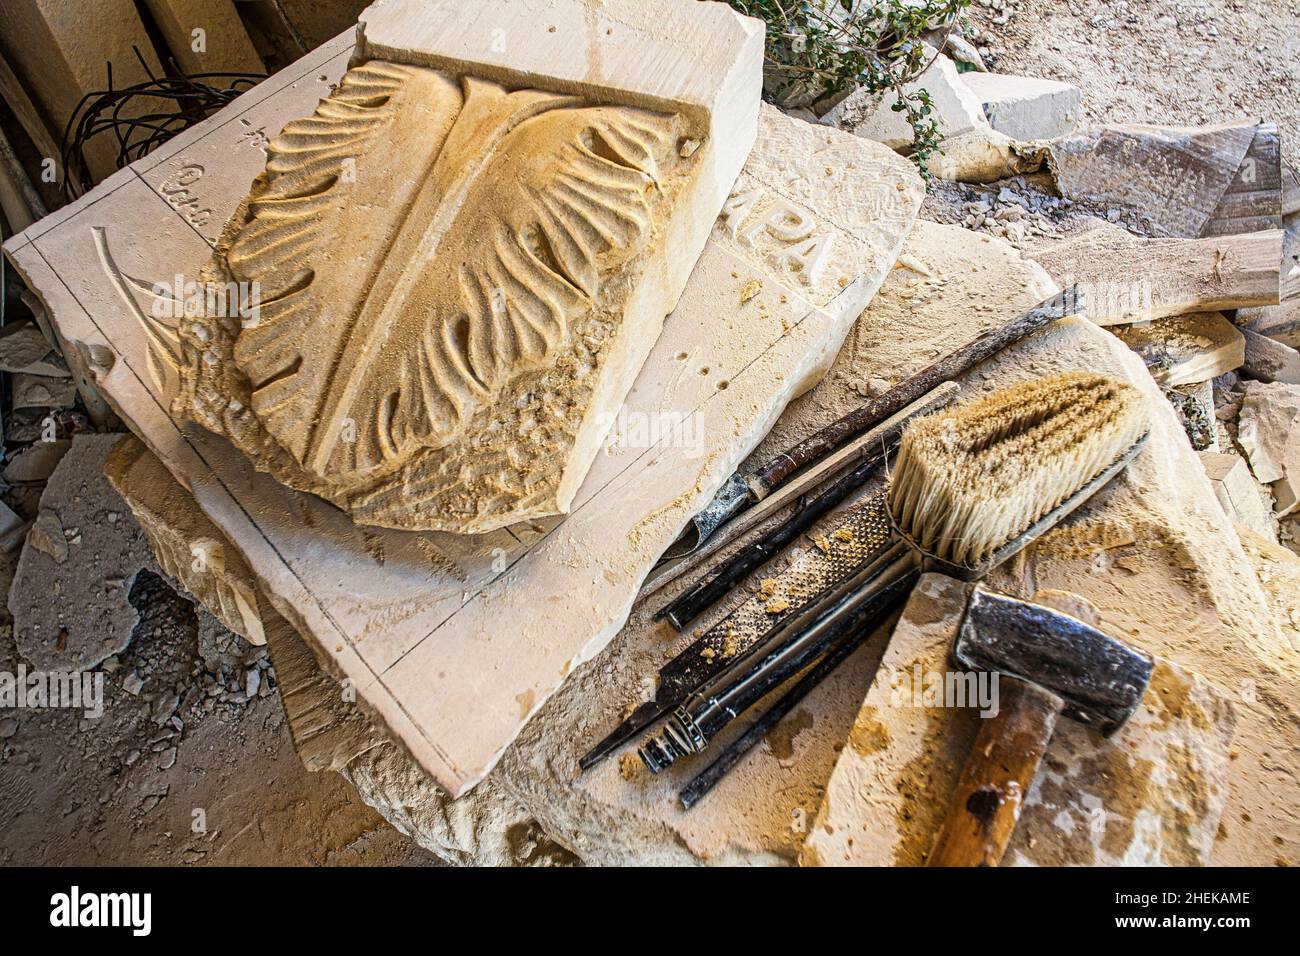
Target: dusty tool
{"points": [[796, 492], [970, 488], [695, 600], [856, 633], [1048, 665], [704, 657], [742, 490]]}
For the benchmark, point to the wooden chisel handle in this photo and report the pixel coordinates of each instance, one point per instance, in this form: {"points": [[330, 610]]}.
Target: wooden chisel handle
{"points": [[820, 444], [997, 776]]}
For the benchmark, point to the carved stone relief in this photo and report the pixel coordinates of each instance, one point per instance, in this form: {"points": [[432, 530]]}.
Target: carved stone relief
{"points": [[432, 299]]}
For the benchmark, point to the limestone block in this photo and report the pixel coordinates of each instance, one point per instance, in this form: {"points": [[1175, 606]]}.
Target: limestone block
{"points": [[441, 633], [189, 548], [458, 263], [1026, 107], [956, 108], [205, 36], [69, 597], [1152, 794], [1268, 429], [61, 59], [1244, 500], [1186, 349]]}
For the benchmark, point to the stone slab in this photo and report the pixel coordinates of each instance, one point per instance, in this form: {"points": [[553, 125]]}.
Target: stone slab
{"points": [[1152, 794], [1026, 107], [1269, 360], [1186, 349], [456, 641], [1280, 322], [572, 194], [1181, 181], [69, 598]]}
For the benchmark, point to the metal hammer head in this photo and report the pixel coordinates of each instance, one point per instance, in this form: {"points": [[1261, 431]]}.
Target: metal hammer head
{"points": [[1101, 680]]}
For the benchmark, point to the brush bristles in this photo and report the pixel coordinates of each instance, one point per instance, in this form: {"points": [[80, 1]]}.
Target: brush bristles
{"points": [[969, 480]]}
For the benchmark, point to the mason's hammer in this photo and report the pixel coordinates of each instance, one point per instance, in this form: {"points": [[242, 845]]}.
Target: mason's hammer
{"points": [[1047, 664]]}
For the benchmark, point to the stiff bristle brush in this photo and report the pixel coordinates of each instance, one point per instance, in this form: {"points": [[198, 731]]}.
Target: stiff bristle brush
{"points": [[968, 488]]}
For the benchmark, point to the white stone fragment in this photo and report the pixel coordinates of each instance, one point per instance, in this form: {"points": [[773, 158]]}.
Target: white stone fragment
{"points": [[1244, 500], [1026, 107], [956, 108], [1269, 430]]}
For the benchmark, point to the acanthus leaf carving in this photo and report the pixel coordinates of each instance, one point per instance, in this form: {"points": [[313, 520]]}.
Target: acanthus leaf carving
{"points": [[419, 243]]}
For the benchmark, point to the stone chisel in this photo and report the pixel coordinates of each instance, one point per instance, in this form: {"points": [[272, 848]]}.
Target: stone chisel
{"points": [[1048, 665], [971, 487], [856, 633], [742, 490]]}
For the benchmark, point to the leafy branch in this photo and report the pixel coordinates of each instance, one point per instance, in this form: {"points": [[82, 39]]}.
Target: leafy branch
{"points": [[819, 50]]}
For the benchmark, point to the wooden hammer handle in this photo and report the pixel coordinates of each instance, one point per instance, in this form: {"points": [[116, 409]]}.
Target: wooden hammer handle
{"points": [[997, 776]]}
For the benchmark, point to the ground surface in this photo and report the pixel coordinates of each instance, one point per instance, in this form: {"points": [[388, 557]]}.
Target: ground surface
{"points": [[223, 788], [1158, 61], [127, 789]]}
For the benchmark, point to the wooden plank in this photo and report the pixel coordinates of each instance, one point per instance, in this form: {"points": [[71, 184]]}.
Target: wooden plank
{"points": [[21, 105], [1126, 279]]}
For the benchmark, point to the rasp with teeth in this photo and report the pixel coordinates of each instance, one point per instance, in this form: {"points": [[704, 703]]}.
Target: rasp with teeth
{"points": [[832, 558]]}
